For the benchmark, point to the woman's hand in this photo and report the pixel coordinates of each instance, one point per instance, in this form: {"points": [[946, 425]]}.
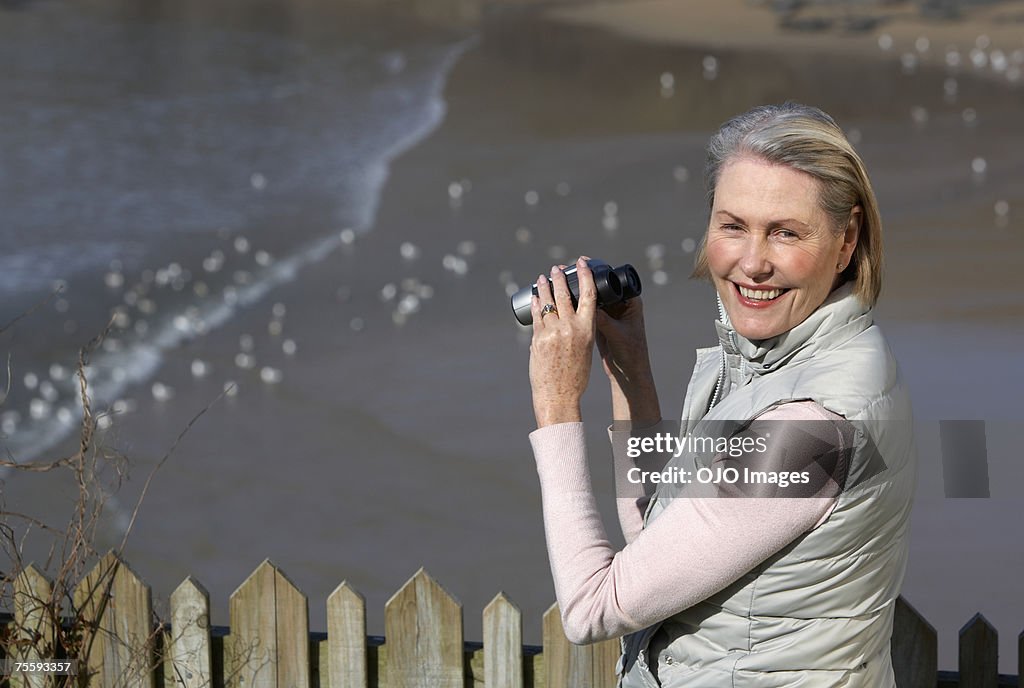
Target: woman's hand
{"points": [[562, 347], [622, 342]]}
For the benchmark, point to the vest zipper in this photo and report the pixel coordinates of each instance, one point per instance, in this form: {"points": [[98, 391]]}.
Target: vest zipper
{"points": [[722, 367]]}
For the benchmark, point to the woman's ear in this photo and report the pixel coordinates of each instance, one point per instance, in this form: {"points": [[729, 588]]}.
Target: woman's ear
{"points": [[850, 236]]}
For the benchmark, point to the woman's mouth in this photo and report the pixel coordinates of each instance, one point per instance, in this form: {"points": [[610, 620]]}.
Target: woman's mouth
{"points": [[760, 297]]}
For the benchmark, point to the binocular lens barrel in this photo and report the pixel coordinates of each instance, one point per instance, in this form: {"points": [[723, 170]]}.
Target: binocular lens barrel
{"points": [[614, 285]]}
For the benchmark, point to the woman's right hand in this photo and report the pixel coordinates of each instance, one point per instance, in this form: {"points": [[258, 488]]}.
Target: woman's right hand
{"points": [[622, 342]]}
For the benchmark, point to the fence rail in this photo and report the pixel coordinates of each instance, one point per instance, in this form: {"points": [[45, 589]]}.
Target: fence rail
{"points": [[269, 645]]}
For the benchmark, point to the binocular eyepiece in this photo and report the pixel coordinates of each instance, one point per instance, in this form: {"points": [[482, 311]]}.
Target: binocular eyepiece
{"points": [[614, 285]]}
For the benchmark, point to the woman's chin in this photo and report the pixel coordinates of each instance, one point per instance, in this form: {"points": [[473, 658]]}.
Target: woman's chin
{"points": [[758, 330]]}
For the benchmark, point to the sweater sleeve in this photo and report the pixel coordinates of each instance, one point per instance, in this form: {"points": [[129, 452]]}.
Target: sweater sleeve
{"points": [[695, 548], [632, 507]]}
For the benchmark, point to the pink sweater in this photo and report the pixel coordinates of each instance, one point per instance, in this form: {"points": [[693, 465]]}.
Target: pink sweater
{"points": [[695, 548]]}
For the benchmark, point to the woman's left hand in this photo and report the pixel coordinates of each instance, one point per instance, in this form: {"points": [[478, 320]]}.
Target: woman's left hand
{"points": [[561, 351]]}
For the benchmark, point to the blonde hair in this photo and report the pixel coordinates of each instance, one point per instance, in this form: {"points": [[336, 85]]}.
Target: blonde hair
{"points": [[805, 138]]}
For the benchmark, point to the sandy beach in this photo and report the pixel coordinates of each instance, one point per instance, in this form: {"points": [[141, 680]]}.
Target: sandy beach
{"points": [[396, 437], [814, 28]]}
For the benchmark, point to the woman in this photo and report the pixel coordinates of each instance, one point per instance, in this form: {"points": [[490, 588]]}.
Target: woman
{"points": [[784, 587]]}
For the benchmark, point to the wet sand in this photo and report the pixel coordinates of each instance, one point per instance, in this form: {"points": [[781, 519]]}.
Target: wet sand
{"points": [[390, 446]]}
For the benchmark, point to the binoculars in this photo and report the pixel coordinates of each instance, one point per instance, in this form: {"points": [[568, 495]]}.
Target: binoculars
{"points": [[614, 285]]}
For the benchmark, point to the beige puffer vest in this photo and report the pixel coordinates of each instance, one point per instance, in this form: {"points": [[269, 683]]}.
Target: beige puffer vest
{"points": [[819, 612]]}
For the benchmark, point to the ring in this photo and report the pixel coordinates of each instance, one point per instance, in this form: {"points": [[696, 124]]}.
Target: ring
{"points": [[548, 308]]}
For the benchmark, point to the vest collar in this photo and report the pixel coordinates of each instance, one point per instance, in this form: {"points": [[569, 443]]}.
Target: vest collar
{"points": [[841, 316]]}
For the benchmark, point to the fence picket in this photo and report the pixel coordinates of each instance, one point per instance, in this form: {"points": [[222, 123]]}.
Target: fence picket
{"points": [[503, 644], [269, 642], [1020, 657], [346, 639], [979, 654], [34, 624], [914, 648], [605, 655], [189, 649], [556, 649], [117, 609], [567, 665], [423, 627]]}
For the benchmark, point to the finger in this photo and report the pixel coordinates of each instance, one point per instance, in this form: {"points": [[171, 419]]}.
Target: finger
{"points": [[588, 290], [538, 319], [544, 296], [563, 299]]}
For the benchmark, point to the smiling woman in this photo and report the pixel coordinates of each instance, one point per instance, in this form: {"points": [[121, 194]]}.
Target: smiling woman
{"points": [[794, 583], [771, 250], [773, 146]]}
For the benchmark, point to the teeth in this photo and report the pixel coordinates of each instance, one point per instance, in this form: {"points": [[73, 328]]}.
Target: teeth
{"points": [[759, 294]]}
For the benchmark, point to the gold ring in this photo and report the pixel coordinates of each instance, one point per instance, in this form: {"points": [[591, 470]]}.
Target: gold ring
{"points": [[548, 308]]}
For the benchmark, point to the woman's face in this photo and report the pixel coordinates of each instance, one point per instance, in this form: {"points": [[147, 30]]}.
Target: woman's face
{"points": [[771, 250]]}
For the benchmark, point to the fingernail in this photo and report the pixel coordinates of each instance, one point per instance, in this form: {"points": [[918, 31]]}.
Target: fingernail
{"points": [[554, 270], [581, 261], [540, 280]]}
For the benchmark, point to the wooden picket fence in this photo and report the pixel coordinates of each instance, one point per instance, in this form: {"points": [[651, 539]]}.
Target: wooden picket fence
{"points": [[268, 644]]}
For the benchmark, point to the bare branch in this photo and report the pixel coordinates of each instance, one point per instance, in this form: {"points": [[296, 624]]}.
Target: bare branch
{"points": [[33, 309], [10, 376], [74, 613], [163, 460], [38, 466]]}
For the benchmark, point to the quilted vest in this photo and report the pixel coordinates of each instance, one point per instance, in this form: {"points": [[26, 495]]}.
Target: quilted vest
{"points": [[820, 611]]}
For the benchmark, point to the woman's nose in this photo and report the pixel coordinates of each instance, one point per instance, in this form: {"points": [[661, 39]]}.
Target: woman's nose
{"points": [[755, 260]]}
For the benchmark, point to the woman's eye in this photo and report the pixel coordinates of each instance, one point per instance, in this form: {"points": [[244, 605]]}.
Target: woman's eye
{"points": [[731, 227], [786, 234]]}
